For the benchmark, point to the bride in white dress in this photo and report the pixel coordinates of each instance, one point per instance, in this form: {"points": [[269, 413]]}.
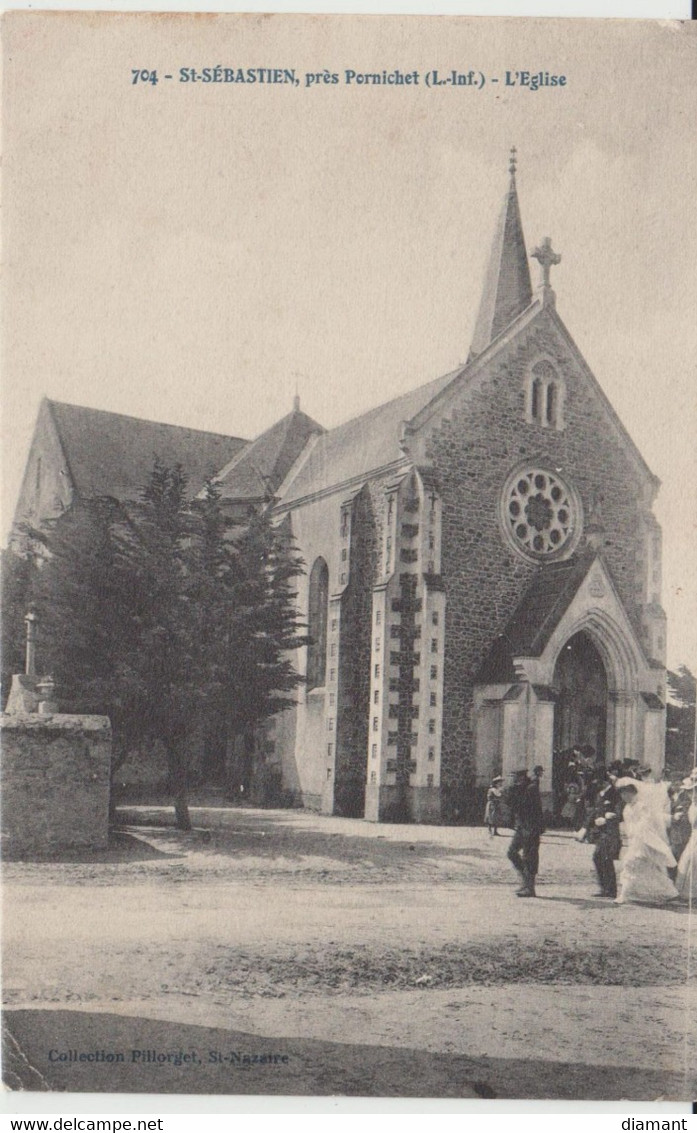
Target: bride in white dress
{"points": [[647, 858]]}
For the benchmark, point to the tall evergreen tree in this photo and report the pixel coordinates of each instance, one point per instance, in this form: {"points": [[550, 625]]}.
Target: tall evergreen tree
{"points": [[264, 625], [165, 668], [83, 599], [158, 615], [244, 579]]}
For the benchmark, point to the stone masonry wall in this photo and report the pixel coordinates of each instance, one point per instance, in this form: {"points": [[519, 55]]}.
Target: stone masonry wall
{"points": [[54, 777], [473, 451], [302, 743]]}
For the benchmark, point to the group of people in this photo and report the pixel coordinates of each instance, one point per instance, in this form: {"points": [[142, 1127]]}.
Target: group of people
{"points": [[649, 827]]}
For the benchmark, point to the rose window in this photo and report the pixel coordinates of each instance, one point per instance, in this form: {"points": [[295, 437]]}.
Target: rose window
{"points": [[539, 513]]}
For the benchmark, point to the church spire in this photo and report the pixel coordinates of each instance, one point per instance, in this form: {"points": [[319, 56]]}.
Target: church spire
{"points": [[507, 289]]}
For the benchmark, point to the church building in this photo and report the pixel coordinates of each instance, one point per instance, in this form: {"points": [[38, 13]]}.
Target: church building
{"points": [[483, 569]]}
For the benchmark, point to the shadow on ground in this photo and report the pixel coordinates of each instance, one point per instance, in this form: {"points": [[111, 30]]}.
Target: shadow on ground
{"points": [[273, 836], [311, 1067], [122, 847]]}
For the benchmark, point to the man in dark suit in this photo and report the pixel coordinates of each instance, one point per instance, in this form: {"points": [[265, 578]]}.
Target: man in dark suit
{"points": [[604, 830], [523, 799]]}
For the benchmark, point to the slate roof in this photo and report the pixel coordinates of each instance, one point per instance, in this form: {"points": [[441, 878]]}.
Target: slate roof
{"points": [[536, 617], [112, 454], [362, 444], [258, 470]]}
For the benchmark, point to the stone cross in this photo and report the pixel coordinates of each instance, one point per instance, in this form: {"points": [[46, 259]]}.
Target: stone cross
{"points": [[30, 662], [547, 258]]}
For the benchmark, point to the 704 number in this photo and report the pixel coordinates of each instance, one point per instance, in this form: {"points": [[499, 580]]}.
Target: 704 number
{"points": [[144, 77]]}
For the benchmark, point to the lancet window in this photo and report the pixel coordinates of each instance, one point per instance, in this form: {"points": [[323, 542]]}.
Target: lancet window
{"points": [[318, 607], [545, 396]]}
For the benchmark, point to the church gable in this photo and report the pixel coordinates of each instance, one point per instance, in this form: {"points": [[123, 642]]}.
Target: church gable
{"points": [[534, 412], [549, 378], [564, 599], [47, 487]]}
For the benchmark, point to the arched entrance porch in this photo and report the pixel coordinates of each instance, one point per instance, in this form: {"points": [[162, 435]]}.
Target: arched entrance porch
{"points": [[581, 678]]}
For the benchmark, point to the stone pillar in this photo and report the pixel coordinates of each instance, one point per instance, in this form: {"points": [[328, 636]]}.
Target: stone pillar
{"points": [[513, 728], [621, 725], [654, 731], [30, 662], [543, 738], [55, 782]]}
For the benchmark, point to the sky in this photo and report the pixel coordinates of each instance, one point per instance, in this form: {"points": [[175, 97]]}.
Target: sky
{"points": [[194, 253]]}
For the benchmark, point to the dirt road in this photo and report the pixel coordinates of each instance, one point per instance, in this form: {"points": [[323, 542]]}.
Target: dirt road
{"points": [[382, 959]]}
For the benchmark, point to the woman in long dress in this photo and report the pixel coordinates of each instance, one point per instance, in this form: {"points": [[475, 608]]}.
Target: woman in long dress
{"points": [[686, 880], [645, 863], [492, 814]]}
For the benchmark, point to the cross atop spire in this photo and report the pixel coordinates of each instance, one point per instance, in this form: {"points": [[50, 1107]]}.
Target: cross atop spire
{"points": [[513, 161]]}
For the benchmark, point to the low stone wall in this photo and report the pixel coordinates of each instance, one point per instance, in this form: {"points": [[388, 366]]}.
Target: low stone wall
{"points": [[54, 777]]}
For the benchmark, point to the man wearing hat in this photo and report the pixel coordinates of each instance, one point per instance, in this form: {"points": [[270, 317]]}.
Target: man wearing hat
{"points": [[526, 816], [604, 832]]}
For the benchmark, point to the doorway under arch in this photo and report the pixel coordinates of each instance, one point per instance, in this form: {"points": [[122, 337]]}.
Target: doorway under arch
{"points": [[581, 708], [580, 679]]}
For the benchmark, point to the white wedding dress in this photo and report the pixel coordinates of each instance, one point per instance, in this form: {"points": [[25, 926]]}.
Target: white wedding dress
{"points": [[686, 880], [644, 863]]}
